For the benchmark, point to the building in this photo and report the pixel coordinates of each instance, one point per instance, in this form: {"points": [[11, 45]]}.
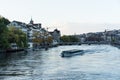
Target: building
{"points": [[56, 36], [35, 32], [19, 25], [28, 29]]}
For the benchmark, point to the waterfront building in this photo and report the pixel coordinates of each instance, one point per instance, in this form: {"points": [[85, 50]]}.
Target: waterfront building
{"points": [[56, 36], [19, 25], [36, 35], [28, 29], [32, 29]]}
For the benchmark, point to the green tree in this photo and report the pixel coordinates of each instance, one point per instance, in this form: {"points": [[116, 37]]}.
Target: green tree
{"points": [[17, 36], [4, 33], [69, 38], [65, 38], [39, 38], [73, 39]]}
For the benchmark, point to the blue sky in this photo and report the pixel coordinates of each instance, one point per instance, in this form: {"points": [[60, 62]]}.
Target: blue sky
{"points": [[70, 16]]}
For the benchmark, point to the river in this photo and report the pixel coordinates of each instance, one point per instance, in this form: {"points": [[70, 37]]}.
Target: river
{"points": [[99, 62]]}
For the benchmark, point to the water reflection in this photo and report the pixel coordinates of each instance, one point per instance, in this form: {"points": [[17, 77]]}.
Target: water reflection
{"points": [[100, 62]]}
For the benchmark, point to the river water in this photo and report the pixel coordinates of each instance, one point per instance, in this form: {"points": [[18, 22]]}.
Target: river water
{"points": [[99, 62]]}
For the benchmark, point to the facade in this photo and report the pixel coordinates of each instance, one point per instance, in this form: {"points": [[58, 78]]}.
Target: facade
{"points": [[19, 25], [35, 32], [56, 36], [32, 28], [28, 29]]}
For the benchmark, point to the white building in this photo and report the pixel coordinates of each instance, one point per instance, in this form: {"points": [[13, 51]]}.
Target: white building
{"points": [[19, 25], [29, 29]]}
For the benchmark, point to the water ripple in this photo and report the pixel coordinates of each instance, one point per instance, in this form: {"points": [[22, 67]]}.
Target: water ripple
{"points": [[100, 62]]}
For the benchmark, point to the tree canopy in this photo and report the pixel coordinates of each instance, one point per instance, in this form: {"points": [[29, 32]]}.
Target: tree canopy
{"points": [[11, 35], [4, 33], [69, 38], [17, 36]]}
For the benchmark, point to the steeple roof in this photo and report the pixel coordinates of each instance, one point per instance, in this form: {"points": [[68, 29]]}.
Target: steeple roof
{"points": [[31, 21]]}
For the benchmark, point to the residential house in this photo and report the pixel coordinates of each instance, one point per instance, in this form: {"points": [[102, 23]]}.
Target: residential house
{"points": [[56, 36], [29, 29]]}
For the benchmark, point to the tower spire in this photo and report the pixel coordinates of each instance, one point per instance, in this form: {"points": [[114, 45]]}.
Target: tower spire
{"points": [[31, 21]]}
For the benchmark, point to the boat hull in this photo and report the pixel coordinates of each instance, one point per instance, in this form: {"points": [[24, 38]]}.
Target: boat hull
{"points": [[70, 53]]}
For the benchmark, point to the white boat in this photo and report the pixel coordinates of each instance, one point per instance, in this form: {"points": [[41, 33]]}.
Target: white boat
{"points": [[69, 53]]}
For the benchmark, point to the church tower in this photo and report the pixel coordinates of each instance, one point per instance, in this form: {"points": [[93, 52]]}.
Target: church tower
{"points": [[31, 21]]}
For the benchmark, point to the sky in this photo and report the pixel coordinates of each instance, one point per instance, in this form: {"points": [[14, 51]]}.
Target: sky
{"points": [[69, 16]]}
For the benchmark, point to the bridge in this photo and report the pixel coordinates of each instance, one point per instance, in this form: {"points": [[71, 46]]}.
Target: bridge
{"points": [[79, 43]]}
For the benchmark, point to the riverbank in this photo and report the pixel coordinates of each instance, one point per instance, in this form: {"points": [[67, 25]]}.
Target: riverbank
{"points": [[7, 52], [4, 53]]}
